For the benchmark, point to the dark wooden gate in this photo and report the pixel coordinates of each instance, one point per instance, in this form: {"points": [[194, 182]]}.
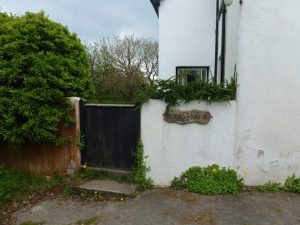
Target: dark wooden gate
{"points": [[110, 133]]}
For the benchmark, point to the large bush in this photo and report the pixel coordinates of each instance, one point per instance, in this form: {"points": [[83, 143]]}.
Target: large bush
{"points": [[41, 63]]}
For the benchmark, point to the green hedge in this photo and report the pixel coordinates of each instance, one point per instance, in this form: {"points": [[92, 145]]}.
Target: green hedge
{"points": [[41, 63]]}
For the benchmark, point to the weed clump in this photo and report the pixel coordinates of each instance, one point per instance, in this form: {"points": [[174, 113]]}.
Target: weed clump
{"points": [[140, 169], [292, 184], [270, 187], [211, 180]]}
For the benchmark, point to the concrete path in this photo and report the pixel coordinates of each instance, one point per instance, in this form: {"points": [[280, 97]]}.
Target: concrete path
{"points": [[109, 186], [168, 207]]}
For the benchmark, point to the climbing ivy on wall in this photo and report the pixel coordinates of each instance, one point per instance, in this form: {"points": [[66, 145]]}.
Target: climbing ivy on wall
{"points": [[41, 63], [140, 168]]}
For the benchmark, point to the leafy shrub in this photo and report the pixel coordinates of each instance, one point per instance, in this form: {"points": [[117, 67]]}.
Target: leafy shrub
{"points": [[209, 180], [270, 187], [41, 63], [293, 184], [140, 169], [174, 93]]}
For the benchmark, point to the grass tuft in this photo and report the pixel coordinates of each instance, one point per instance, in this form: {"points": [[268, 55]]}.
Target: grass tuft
{"points": [[17, 186], [270, 187], [90, 221], [292, 184], [32, 223]]}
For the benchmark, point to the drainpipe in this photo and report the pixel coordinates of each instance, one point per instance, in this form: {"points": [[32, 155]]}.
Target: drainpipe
{"points": [[223, 51], [221, 13], [217, 41]]}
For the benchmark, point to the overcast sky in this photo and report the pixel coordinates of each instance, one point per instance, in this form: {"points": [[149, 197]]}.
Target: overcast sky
{"points": [[94, 19]]}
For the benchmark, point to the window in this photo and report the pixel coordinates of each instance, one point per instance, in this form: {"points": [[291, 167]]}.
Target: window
{"points": [[189, 74]]}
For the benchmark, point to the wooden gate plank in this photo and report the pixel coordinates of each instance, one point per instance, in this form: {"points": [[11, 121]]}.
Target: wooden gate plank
{"points": [[111, 134]]}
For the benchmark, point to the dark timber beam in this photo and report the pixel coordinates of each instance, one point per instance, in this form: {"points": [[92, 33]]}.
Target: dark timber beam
{"points": [[156, 4]]}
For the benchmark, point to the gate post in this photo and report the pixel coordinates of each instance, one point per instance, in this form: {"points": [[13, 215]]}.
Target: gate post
{"points": [[82, 130]]}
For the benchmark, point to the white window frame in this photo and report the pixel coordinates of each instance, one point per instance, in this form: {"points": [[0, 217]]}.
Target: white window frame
{"points": [[198, 72]]}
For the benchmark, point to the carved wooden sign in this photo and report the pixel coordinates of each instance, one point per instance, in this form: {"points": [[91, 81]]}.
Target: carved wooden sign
{"points": [[187, 117]]}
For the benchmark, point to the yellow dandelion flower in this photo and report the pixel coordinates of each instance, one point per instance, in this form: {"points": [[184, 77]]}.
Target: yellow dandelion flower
{"points": [[214, 170]]}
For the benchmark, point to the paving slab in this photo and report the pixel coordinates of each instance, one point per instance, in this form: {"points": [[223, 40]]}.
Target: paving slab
{"points": [[109, 186], [170, 207]]}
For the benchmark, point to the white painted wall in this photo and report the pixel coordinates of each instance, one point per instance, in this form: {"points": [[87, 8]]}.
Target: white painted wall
{"points": [[232, 28], [268, 121], [173, 148], [186, 35], [263, 39]]}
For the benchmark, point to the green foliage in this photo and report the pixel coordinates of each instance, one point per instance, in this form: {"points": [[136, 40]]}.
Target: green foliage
{"points": [[120, 66], [67, 192], [16, 186], [292, 184], [84, 194], [80, 141], [88, 174], [32, 223], [140, 169], [209, 180], [174, 93], [41, 63], [270, 187], [90, 221], [116, 88]]}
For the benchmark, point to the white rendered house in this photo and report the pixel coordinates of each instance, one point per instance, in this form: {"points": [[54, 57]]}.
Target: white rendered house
{"points": [[259, 133]]}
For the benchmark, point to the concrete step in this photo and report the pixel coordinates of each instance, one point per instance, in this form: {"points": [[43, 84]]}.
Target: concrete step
{"points": [[112, 171], [109, 186]]}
